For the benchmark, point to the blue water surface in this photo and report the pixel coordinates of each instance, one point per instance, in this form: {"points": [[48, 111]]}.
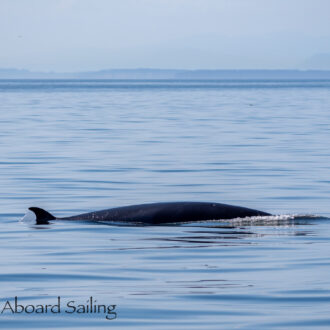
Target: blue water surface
{"points": [[72, 146]]}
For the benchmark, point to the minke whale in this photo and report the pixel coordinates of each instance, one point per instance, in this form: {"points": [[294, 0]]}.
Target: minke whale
{"points": [[158, 213]]}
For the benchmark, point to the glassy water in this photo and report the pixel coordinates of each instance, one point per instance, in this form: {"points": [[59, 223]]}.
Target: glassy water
{"points": [[76, 146]]}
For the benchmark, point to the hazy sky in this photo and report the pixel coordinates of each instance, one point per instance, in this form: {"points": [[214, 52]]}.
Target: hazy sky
{"points": [[70, 35]]}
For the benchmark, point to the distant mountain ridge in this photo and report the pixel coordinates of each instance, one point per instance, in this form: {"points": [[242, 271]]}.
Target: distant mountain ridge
{"points": [[145, 73], [317, 62]]}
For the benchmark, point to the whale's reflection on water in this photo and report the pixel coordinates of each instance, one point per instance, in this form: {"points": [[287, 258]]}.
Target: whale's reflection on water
{"points": [[219, 233]]}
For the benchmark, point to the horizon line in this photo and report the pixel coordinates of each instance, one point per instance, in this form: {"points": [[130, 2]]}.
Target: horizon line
{"points": [[157, 69]]}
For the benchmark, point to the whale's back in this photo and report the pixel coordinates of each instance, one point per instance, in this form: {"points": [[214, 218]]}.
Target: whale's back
{"points": [[158, 213]]}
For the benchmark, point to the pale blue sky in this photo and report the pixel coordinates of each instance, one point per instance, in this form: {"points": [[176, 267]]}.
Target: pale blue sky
{"points": [[71, 35]]}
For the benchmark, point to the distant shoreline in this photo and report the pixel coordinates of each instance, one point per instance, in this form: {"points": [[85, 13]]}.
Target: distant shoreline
{"points": [[154, 74]]}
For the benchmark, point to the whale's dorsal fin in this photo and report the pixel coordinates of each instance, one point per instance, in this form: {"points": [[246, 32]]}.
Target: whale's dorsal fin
{"points": [[42, 216]]}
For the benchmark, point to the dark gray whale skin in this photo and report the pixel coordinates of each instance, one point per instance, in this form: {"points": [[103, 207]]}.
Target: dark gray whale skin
{"points": [[158, 213]]}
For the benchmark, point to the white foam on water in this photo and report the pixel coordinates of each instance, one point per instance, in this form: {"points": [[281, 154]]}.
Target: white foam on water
{"points": [[277, 220]]}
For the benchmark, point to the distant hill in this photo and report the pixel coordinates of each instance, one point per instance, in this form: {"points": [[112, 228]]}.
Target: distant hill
{"points": [[318, 62], [168, 74], [13, 73]]}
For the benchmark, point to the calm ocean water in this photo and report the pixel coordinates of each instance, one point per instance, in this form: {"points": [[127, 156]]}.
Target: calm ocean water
{"points": [[76, 146]]}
